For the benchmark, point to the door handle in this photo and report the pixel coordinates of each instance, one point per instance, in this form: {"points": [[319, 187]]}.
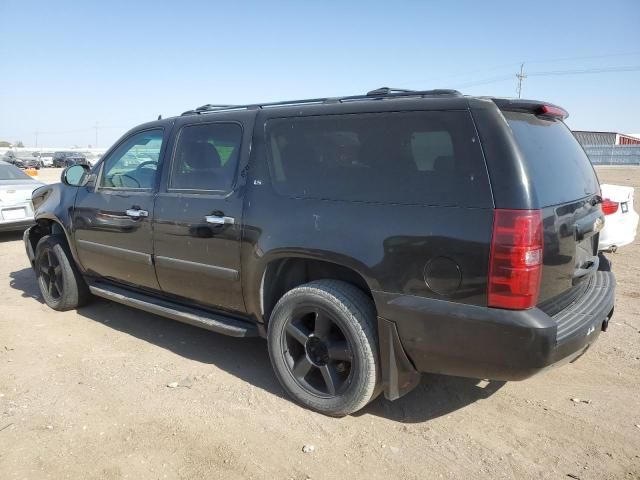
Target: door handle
{"points": [[220, 220], [137, 213]]}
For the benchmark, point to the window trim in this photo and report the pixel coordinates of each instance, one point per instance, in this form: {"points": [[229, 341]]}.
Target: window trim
{"points": [[105, 159], [176, 142]]}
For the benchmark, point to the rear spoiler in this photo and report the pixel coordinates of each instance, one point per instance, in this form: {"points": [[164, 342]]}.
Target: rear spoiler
{"points": [[531, 106]]}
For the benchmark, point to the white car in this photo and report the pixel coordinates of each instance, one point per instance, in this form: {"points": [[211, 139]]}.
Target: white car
{"points": [[16, 187], [621, 220], [47, 159]]}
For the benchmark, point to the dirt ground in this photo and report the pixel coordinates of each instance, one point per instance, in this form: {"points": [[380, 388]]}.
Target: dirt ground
{"points": [[83, 394]]}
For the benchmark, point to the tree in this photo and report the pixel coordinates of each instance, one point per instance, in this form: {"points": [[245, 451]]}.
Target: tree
{"points": [[4, 144], [19, 144]]}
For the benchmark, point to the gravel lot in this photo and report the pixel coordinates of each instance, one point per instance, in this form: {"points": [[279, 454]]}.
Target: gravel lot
{"points": [[83, 394]]}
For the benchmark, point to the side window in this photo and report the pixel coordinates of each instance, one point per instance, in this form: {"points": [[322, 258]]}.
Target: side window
{"points": [[432, 150], [134, 163], [412, 158], [206, 157]]}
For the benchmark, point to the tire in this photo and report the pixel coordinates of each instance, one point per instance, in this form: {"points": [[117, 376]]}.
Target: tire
{"points": [[323, 346], [60, 282]]}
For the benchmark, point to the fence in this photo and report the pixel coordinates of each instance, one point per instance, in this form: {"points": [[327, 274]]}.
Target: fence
{"points": [[613, 154]]}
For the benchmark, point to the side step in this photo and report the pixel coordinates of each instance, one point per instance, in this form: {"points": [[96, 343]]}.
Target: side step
{"points": [[193, 316]]}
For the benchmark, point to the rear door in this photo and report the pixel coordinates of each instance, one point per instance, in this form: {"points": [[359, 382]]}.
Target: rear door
{"points": [[566, 189], [198, 212]]}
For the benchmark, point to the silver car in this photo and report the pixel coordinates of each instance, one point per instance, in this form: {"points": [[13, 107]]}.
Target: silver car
{"points": [[16, 187]]}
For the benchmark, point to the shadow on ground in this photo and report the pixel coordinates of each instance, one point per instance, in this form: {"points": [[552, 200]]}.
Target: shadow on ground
{"points": [[248, 359], [10, 236]]}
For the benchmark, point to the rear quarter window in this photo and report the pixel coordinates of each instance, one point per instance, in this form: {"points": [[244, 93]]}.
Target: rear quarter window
{"points": [[423, 158], [560, 171]]}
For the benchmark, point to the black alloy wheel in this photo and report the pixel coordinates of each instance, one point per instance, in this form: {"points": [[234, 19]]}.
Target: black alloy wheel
{"points": [[51, 277], [60, 282], [323, 346], [317, 352]]}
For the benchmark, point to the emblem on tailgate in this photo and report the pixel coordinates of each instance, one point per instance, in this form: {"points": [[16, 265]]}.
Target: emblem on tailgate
{"points": [[591, 330]]}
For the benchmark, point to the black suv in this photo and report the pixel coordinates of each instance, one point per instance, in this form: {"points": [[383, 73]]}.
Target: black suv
{"points": [[367, 238], [66, 159]]}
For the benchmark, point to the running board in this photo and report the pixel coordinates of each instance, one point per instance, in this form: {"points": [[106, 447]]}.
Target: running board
{"points": [[199, 318]]}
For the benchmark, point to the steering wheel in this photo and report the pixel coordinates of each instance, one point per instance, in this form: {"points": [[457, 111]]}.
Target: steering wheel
{"points": [[120, 177], [145, 163]]}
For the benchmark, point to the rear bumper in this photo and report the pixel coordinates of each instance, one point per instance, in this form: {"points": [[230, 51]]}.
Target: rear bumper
{"points": [[10, 224], [15, 225], [480, 342]]}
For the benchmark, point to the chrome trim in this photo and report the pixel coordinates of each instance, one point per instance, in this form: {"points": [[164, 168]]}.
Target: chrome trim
{"points": [[101, 248], [136, 213], [196, 267], [216, 220]]}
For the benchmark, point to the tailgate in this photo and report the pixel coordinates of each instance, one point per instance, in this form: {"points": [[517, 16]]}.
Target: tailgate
{"points": [[567, 192]]}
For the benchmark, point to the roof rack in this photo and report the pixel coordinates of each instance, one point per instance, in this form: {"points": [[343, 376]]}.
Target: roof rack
{"points": [[377, 94]]}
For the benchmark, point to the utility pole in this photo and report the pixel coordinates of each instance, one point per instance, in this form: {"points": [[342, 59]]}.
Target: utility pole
{"points": [[36, 134], [96, 127], [520, 76]]}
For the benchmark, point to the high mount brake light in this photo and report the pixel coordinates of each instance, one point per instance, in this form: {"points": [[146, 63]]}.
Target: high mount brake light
{"points": [[553, 111], [609, 207], [515, 266]]}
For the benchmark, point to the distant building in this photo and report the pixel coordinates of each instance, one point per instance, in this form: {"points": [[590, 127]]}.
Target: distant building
{"points": [[605, 138]]}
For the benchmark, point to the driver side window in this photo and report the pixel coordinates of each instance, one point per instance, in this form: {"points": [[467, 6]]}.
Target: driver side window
{"points": [[133, 165]]}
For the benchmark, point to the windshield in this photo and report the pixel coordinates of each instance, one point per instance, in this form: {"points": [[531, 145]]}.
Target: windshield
{"points": [[9, 172], [560, 170]]}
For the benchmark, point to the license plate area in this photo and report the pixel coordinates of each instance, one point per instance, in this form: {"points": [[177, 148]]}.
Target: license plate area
{"points": [[14, 213], [624, 207]]}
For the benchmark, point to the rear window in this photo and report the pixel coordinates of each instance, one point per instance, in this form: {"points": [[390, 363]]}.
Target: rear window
{"points": [[9, 172], [561, 171], [424, 158]]}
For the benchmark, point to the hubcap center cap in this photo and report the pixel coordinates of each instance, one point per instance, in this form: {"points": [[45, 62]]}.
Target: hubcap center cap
{"points": [[317, 351]]}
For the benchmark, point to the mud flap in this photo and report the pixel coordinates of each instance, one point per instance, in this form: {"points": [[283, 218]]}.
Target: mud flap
{"points": [[399, 376]]}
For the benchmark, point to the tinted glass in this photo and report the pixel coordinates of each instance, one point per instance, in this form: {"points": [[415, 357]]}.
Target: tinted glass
{"points": [[560, 169], [134, 163], [206, 157], [424, 158], [9, 172]]}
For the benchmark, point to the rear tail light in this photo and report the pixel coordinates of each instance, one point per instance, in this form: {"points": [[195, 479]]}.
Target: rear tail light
{"points": [[515, 265], [609, 207], [553, 111]]}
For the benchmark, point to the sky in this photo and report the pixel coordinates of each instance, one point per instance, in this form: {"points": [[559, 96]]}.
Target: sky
{"points": [[69, 66]]}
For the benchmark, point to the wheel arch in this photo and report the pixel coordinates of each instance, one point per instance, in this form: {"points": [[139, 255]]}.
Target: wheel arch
{"points": [[49, 225], [286, 271]]}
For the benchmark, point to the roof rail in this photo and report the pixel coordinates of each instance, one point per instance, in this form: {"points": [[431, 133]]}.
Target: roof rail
{"points": [[379, 93], [387, 91]]}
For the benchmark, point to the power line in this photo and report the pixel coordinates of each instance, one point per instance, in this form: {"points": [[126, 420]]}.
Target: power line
{"points": [[586, 71], [553, 60], [630, 68]]}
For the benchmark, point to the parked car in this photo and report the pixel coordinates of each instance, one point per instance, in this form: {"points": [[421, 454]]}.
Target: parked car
{"points": [[92, 158], [22, 161], [66, 159], [46, 158], [367, 238], [621, 219], [16, 187]]}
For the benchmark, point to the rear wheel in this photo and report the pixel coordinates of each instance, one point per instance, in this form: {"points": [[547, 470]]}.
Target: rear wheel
{"points": [[60, 282], [323, 346]]}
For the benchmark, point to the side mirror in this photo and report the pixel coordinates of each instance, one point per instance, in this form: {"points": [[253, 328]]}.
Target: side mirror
{"points": [[75, 175]]}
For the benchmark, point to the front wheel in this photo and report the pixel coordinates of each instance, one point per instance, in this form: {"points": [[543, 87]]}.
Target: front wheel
{"points": [[323, 346], [60, 282]]}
